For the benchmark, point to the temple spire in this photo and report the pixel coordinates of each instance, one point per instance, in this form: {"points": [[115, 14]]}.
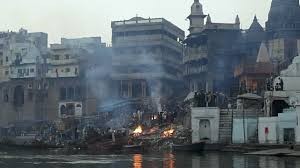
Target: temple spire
{"points": [[255, 19], [208, 19], [263, 54], [237, 20]]}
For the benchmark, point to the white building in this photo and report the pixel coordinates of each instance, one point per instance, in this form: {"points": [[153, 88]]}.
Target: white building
{"points": [[283, 109], [21, 53], [63, 61], [205, 124]]}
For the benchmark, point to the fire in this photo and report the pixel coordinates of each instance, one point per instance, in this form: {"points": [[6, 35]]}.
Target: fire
{"points": [[138, 130], [168, 133]]}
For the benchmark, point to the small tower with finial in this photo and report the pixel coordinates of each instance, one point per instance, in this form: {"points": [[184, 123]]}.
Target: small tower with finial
{"points": [[196, 17]]}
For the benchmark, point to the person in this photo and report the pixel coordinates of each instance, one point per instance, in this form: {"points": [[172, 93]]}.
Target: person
{"points": [[268, 84], [214, 100], [202, 98], [196, 99], [281, 84], [272, 83], [208, 99], [277, 87]]}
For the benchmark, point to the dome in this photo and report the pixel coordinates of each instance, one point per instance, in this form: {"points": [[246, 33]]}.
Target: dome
{"points": [[255, 26], [137, 18], [197, 8]]}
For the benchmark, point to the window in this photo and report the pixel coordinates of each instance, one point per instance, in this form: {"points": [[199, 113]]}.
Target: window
{"points": [[67, 56], [70, 93], [6, 59], [1, 62], [63, 93], [67, 69], [32, 70], [18, 56], [56, 57], [6, 73], [5, 95], [78, 92], [19, 96]]}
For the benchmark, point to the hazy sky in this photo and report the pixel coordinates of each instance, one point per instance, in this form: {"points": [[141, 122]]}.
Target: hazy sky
{"points": [[81, 18]]}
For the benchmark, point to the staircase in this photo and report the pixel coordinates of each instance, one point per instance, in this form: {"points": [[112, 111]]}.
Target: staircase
{"points": [[225, 123], [225, 126]]}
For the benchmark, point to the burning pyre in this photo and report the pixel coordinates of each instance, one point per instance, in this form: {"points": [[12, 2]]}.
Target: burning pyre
{"points": [[168, 133], [138, 131]]}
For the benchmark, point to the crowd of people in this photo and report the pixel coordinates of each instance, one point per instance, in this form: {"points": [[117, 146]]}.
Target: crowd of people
{"points": [[167, 112], [274, 85], [209, 99]]}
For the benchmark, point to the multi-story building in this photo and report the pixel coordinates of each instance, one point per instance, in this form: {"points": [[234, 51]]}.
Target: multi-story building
{"points": [[210, 53], [21, 54], [147, 56], [42, 83]]}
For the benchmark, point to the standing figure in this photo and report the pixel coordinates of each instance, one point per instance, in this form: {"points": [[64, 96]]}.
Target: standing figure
{"points": [[202, 98], [268, 107], [196, 99], [208, 99], [281, 84]]}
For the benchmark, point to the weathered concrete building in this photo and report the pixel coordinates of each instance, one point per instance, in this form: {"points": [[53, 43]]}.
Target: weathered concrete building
{"points": [[147, 55], [45, 84], [214, 50], [210, 56]]}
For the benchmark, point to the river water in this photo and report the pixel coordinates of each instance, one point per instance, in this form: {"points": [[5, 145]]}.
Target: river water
{"points": [[37, 159]]}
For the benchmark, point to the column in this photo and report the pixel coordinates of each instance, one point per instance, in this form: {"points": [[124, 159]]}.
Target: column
{"points": [[297, 129], [129, 88], [143, 89], [121, 89]]}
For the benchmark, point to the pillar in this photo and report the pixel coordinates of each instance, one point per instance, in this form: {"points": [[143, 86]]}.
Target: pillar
{"points": [[297, 129], [121, 89], [144, 92], [129, 89]]}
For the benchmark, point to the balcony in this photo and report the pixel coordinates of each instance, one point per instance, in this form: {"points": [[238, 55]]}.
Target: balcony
{"points": [[62, 62]]}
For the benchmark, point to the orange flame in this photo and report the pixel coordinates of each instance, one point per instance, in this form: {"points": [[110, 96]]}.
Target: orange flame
{"points": [[168, 133], [138, 130]]}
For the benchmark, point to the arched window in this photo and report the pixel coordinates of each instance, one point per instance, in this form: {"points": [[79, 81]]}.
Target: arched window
{"points": [[70, 109], [63, 94], [19, 96], [62, 110]]}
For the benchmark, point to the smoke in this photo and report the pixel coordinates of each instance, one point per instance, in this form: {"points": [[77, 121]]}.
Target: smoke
{"points": [[97, 74], [151, 62], [148, 64]]}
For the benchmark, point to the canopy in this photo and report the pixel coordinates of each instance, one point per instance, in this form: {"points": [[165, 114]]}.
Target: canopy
{"points": [[250, 96]]}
